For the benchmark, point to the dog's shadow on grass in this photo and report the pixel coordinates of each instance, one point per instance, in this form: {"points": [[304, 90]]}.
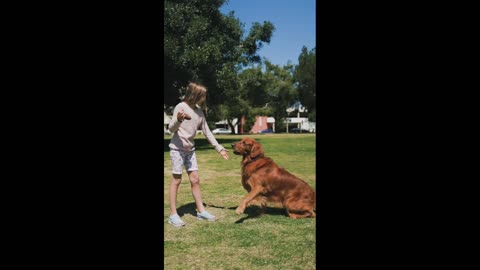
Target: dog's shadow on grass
{"points": [[252, 211]]}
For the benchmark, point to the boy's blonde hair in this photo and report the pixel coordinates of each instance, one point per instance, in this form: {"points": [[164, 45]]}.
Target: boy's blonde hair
{"points": [[195, 94]]}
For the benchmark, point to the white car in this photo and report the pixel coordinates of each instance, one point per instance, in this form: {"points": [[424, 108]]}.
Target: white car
{"points": [[221, 131]]}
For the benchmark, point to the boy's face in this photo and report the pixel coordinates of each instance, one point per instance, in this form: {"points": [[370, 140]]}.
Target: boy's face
{"points": [[201, 99]]}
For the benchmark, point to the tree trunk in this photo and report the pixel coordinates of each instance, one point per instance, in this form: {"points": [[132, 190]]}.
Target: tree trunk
{"points": [[230, 123], [240, 124]]}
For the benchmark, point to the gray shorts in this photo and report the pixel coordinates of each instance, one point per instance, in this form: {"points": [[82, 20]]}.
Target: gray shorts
{"points": [[180, 159]]}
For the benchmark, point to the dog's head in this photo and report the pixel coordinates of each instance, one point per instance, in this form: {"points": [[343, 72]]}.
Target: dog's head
{"points": [[248, 148]]}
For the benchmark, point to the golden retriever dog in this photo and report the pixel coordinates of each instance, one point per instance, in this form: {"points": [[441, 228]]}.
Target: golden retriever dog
{"points": [[266, 182]]}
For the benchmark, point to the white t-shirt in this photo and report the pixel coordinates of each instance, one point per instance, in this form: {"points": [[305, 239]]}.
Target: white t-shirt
{"points": [[184, 132]]}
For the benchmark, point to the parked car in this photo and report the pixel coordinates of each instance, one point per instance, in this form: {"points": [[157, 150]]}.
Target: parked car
{"points": [[266, 131], [221, 131], [298, 130]]}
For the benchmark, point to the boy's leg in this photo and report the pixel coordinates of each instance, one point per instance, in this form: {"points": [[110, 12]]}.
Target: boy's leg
{"points": [[174, 218], [177, 168], [177, 179], [192, 169], [195, 183]]}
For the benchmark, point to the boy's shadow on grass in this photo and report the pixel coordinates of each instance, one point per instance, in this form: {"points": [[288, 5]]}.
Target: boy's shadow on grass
{"points": [[252, 211], [189, 208]]}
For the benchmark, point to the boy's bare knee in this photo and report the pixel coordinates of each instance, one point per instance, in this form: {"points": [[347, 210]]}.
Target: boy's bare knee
{"points": [[194, 180], [177, 179]]}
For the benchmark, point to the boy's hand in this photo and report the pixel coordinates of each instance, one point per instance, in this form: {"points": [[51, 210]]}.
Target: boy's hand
{"points": [[181, 115], [224, 154]]}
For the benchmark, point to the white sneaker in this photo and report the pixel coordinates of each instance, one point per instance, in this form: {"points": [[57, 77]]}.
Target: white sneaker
{"points": [[176, 221], [206, 215]]}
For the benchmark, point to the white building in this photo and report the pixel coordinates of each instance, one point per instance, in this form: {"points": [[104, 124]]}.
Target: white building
{"points": [[224, 124], [299, 122]]}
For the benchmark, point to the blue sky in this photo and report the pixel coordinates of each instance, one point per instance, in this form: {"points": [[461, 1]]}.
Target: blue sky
{"points": [[294, 22]]}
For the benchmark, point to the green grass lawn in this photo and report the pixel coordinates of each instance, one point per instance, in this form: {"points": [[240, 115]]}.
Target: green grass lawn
{"points": [[247, 241]]}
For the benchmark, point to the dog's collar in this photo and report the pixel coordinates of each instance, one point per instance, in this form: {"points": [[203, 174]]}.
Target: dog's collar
{"points": [[254, 159]]}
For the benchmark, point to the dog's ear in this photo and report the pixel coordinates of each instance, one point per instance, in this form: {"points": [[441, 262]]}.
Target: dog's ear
{"points": [[257, 150]]}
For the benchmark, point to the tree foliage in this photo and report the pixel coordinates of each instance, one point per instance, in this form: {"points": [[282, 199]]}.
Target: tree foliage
{"points": [[304, 76], [253, 95], [203, 45], [281, 90], [265, 90]]}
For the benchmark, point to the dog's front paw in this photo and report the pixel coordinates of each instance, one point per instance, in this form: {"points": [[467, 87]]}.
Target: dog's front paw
{"points": [[239, 210]]}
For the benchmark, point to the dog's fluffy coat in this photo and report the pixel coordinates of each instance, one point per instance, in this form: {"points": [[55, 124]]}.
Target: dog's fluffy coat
{"points": [[266, 182]]}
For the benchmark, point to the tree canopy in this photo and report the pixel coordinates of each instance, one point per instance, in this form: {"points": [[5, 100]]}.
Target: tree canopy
{"points": [[203, 45], [305, 78]]}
